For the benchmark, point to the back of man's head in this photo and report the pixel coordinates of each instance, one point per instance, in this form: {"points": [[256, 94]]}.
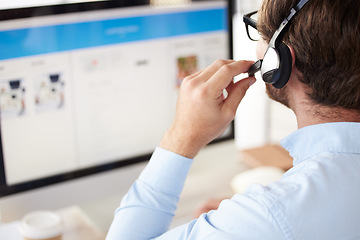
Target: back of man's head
{"points": [[325, 36]]}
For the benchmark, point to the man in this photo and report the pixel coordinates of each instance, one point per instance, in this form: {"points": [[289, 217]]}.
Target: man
{"points": [[319, 197]]}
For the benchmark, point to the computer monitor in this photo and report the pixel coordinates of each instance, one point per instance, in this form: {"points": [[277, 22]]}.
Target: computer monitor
{"points": [[90, 87]]}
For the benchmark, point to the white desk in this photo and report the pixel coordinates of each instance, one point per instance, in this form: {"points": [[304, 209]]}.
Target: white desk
{"points": [[77, 226]]}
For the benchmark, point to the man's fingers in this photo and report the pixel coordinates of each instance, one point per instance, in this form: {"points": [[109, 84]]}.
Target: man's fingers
{"points": [[237, 92], [208, 72], [194, 75], [222, 78]]}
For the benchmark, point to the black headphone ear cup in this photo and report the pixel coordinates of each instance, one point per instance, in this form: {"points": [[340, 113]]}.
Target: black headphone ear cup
{"points": [[285, 66]]}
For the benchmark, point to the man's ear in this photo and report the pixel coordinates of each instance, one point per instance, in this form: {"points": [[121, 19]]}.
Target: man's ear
{"points": [[293, 58]]}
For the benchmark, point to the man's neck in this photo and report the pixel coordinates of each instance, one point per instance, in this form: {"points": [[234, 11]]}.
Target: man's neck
{"points": [[309, 114]]}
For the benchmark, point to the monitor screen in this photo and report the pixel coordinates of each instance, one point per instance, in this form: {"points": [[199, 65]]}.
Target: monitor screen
{"points": [[83, 91]]}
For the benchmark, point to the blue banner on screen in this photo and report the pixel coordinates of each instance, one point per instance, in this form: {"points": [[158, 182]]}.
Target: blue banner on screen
{"points": [[50, 39]]}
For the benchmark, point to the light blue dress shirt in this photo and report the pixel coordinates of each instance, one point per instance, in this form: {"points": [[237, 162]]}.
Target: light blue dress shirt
{"points": [[319, 198]]}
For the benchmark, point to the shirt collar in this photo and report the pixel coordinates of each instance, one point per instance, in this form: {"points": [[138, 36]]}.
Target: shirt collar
{"points": [[328, 137]]}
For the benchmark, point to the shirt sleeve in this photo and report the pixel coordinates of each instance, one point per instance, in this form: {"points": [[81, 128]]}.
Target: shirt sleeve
{"points": [[147, 210]]}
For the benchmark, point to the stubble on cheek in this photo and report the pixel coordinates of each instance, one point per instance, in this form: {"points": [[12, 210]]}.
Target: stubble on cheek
{"points": [[278, 95]]}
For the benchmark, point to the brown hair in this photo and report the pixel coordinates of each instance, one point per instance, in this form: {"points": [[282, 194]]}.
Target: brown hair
{"points": [[325, 36]]}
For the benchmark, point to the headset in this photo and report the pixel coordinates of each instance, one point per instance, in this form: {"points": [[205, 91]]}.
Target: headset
{"points": [[276, 65]]}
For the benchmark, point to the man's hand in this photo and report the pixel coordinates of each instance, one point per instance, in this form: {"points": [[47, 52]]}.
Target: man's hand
{"points": [[203, 113]]}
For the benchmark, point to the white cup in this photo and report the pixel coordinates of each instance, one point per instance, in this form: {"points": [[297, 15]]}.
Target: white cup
{"points": [[41, 225]]}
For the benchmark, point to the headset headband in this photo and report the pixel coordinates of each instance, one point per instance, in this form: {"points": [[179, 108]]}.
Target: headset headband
{"points": [[279, 33]]}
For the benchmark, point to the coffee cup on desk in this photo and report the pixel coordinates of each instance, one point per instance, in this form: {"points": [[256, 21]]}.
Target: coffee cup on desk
{"points": [[41, 225]]}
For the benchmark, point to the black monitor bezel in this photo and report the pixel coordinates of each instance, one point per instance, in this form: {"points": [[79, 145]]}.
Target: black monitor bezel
{"points": [[28, 12], [10, 14]]}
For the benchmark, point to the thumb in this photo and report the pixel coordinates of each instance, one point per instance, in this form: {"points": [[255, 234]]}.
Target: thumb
{"points": [[236, 92]]}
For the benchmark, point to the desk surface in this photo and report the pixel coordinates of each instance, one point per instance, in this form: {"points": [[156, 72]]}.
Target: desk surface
{"points": [[77, 226]]}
